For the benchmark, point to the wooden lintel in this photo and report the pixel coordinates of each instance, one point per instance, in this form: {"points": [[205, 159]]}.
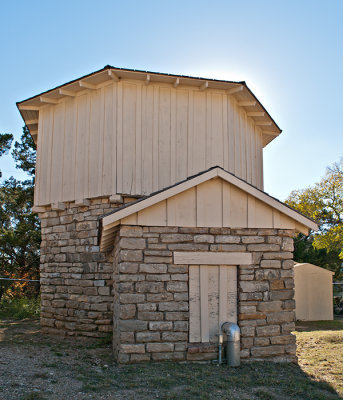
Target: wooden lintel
{"points": [[247, 103], [235, 90], [203, 86], [65, 92], [113, 76], [29, 108], [34, 132], [256, 114], [147, 79], [176, 83], [31, 121], [59, 206], [263, 123], [212, 258], [82, 202], [87, 85], [44, 99]]}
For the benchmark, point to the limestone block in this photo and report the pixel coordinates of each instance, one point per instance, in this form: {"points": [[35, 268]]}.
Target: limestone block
{"points": [[131, 231], [157, 260], [153, 268], [172, 356], [174, 336], [266, 351], [145, 337], [203, 239], [181, 326], [177, 286], [149, 287], [132, 348], [132, 325], [263, 247], [285, 339], [150, 316], [126, 298], [261, 341], [147, 307], [281, 294], [128, 268], [179, 277], [252, 239], [268, 330], [270, 264], [173, 306], [159, 347], [132, 243], [269, 306], [282, 255], [279, 317], [254, 286], [160, 326], [176, 238], [131, 255], [127, 311], [177, 316]]}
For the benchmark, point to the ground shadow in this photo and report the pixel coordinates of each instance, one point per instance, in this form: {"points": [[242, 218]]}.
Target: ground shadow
{"points": [[309, 326]]}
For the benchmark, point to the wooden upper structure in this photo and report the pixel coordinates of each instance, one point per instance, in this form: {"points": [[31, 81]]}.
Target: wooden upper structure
{"points": [[214, 198], [128, 132]]}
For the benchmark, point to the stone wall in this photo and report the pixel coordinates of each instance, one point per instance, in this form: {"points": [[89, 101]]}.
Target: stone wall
{"points": [[76, 279], [151, 293]]}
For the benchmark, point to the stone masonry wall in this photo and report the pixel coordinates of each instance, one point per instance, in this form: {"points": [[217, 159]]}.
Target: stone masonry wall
{"points": [[76, 279], [151, 321]]}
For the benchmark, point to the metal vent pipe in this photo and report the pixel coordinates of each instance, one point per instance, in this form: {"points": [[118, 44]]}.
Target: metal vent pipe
{"points": [[233, 346]]}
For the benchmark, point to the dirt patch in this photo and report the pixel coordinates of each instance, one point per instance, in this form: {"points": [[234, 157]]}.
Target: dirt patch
{"points": [[36, 366]]}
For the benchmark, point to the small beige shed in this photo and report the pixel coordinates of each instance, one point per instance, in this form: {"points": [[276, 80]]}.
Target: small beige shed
{"points": [[313, 293]]}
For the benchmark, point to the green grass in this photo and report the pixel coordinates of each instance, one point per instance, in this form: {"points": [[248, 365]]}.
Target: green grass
{"points": [[87, 366], [19, 308]]}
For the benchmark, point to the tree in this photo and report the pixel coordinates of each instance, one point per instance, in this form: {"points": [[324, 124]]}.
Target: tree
{"points": [[323, 203], [19, 227]]}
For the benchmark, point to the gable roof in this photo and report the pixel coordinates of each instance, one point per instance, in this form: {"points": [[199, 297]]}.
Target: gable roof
{"points": [[29, 108], [111, 220], [324, 270]]}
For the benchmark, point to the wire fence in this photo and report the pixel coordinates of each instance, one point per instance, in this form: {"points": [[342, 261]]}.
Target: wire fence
{"points": [[21, 280]]}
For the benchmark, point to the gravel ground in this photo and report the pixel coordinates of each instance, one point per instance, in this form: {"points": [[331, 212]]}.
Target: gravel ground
{"points": [[35, 366]]}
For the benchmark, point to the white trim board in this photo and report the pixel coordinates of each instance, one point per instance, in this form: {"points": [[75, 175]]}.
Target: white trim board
{"points": [[212, 258]]}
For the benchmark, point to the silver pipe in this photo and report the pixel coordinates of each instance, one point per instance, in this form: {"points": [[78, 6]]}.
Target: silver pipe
{"points": [[233, 346]]}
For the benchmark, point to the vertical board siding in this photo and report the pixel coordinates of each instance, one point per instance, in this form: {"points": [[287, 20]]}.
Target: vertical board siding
{"points": [[130, 138], [212, 300]]}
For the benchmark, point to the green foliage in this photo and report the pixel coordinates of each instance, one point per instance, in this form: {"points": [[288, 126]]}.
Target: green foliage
{"points": [[24, 153], [20, 308], [323, 203], [19, 227], [5, 143]]}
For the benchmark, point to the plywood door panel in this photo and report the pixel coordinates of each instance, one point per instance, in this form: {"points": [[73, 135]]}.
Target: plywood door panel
{"points": [[95, 142], [212, 300], [70, 128], [129, 137], [57, 152], [181, 209], [200, 147], [181, 134], [194, 304], [217, 157], [147, 139], [109, 167], [164, 139], [209, 207], [82, 146]]}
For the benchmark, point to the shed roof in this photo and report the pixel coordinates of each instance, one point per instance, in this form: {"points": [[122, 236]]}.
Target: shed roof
{"points": [[111, 220], [29, 108], [324, 270]]}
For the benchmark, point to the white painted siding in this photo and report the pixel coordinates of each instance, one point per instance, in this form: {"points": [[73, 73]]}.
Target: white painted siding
{"points": [[131, 138]]}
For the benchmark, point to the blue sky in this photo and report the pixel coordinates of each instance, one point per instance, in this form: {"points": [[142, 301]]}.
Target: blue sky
{"points": [[290, 53]]}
